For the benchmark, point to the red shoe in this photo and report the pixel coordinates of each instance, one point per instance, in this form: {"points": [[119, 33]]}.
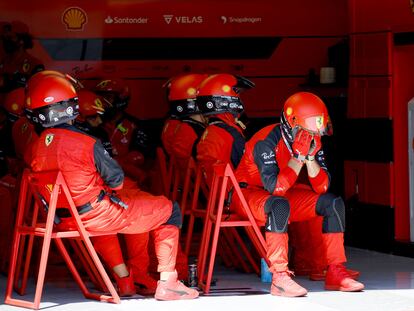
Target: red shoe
{"points": [[125, 285], [144, 283], [283, 285], [321, 274], [172, 289], [338, 278]]}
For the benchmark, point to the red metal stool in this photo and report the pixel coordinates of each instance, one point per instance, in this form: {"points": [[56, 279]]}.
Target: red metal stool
{"points": [[230, 240], [170, 176], [215, 207], [46, 190]]}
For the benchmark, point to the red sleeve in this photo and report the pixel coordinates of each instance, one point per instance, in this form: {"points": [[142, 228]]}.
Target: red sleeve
{"points": [[320, 182], [183, 141], [286, 179], [213, 148]]}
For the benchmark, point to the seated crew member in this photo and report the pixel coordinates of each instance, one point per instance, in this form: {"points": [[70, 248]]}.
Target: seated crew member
{"points": [[182, 93], [89, 120], [92, 175], [268, 171], [223, 140]]}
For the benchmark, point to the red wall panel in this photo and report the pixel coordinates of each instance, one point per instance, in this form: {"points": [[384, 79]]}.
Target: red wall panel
{"points": [[373, 182], [370, 97], [371, 54], [374, 15], [403, 91]]}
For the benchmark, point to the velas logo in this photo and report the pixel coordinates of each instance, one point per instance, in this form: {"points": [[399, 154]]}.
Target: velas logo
{"points": [[74, 19], [183, 19], [168, 18]]}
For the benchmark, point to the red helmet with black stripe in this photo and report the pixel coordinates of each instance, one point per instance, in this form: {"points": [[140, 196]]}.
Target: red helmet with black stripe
{"points": [[221, 93], [52, 101], [182, 92]]}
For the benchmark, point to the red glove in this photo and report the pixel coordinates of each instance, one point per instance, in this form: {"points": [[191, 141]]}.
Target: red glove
{"points": [[301, 144], [315, 146]]}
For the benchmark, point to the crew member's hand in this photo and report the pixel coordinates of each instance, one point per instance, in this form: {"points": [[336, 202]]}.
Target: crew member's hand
{"points": [[315, 146], [301, 144]]}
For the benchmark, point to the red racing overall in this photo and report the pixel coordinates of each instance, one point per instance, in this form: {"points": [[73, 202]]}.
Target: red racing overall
{"points": [[270, 184], [88, 170]]}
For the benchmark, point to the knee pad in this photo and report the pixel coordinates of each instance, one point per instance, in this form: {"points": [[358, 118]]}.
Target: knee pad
{"points": [[332, 208], [278, 212], [175, 218]]}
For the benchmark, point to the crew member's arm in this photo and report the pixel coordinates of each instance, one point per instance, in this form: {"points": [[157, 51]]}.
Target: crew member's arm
{"points": [[316, 166], [275, 180], [108, 168]]}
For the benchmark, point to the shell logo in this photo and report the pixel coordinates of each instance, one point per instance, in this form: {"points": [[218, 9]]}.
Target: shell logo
{"points": [[74, 18]]}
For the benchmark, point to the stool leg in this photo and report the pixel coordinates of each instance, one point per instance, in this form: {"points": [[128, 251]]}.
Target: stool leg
{"points": [[88, 264], [77, 277], [212, 257]]}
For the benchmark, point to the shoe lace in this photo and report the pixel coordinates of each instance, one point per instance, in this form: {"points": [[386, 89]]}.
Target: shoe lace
{"points": [[286, 277]]}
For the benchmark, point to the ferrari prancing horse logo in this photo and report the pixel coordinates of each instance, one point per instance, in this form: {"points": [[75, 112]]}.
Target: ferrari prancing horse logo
{"points": [[319, 122], [49, 139]]}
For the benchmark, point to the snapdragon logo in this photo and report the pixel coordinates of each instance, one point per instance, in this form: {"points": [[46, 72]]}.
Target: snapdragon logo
{"points": [[241, 20], [126, 20]]}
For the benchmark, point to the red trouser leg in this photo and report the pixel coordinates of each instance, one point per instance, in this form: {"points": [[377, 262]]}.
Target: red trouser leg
{"points": [[334, 245], [137, 249], [302, 201], [145, 213], [277, 251], [108, 248], [166, 247], [309, 250]]}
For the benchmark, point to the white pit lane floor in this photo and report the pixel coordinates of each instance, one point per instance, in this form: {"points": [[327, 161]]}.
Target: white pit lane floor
{"points": [[388, 279]]}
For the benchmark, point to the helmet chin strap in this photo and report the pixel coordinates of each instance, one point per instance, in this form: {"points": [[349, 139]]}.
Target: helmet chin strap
{"points": [[240, 123]]}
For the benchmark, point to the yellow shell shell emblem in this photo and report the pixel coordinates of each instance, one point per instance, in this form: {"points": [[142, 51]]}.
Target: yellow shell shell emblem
{"points": [[289, 111], [15, 107], [74, 18], [319, 122]]}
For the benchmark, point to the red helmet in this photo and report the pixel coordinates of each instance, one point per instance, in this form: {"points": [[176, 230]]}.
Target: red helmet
{"points": [[14, 103], [90, 104], [182, 92], [307, 111], [52, 101], [115, 93], [41, 74], [220, 93]]}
